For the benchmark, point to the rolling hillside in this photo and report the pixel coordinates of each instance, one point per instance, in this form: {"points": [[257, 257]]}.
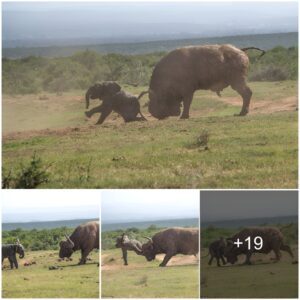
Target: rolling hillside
{"points": [[44, 224], [265, 41], [146, 224]]}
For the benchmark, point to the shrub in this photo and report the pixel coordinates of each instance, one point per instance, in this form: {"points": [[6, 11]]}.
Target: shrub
{"points": [[28, 177], [269, 73]]}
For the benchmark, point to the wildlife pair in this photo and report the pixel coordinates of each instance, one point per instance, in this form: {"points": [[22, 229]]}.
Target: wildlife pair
{"points": [[175, 79]]}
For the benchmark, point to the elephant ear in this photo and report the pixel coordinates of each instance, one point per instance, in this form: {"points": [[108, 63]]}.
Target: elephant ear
{"points": [[110, 88]]}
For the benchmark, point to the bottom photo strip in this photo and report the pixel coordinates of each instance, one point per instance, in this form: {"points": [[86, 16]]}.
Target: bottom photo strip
{"points": [[150, 244]]}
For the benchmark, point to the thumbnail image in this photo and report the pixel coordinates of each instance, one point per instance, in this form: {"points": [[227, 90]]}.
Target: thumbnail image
{"points": [[50, 246], [150, 244], [249, 244]]}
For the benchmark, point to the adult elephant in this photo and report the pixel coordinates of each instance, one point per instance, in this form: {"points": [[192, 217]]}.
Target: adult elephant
{"points": [[183, 71]]}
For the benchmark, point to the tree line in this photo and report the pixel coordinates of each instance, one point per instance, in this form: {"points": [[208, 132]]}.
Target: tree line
{"points": [[33, 75]]}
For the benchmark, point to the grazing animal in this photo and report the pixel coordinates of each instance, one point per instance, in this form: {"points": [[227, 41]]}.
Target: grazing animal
{"points": [[182, 71], [10, 250], [85, 238], [271, 237], [127, 244], [121, 102], [216, 250], [172, 241]]}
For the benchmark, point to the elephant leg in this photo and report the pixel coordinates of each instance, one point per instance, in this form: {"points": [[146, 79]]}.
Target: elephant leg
{"points": [[223, 260], [11, 262], [124, 251], [124, 256], [97, 109], [218, 261], [167, 257], [15, 262], [242, 88], [187, 100], [211, 259], [106, 110]]}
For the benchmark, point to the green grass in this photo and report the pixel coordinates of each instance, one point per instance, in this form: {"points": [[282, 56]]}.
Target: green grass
{"points": [[264, 279], [37, 281], [142, 279], [256, 151]]}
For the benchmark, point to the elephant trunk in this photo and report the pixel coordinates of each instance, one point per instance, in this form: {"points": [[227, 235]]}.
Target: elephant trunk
{"points": [[87, 98]]}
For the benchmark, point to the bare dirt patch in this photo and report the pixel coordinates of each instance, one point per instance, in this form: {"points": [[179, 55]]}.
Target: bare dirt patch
{"points": [[109, 263], [265, 106], [180, 260]]}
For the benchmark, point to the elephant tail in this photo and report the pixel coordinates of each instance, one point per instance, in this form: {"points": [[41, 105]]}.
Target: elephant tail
{"points": [[254, 48], [142, 94]]}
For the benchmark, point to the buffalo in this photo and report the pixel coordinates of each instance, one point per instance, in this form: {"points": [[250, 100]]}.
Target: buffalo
{"points": [[172, 241], [85, 238], [271, 238], [182, 71]]}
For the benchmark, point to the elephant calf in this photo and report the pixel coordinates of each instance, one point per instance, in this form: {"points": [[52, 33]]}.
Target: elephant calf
{"points": [[127, 244], [9, 251], [114, 99], [216, 250]]}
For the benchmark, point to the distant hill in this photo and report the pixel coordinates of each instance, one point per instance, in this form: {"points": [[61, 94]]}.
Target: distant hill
{"points": [[250, 222], [265, 41], [44, 225], [143, 225]]}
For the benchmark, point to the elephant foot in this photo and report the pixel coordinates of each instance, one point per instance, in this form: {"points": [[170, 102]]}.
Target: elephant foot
{"points": [[184, 117], [162, 265], [243, 112], [87, 114]]}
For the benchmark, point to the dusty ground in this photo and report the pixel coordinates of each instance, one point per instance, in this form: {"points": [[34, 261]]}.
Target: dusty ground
{"points": [[256, 107]]}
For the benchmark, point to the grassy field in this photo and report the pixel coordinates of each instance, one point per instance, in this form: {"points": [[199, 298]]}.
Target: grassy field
{"points": [[256, 151], [37, 281], [264, 279], [142, 279]]}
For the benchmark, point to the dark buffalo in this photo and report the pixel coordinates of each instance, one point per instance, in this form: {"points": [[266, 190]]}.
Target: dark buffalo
{"points": [[85, 238], [127, 244], [272, 240], [10, 250], [172, 241], [185, 70]]}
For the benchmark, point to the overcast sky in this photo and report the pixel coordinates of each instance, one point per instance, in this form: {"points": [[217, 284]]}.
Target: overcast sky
{"points": [[148, 20], [148, 205], [50, 205], [231, 205]]}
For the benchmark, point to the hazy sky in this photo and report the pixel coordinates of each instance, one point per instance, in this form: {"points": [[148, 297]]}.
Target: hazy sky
{"points": [[117, 20], [148, 205], [31, 205], [229, 205]]}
